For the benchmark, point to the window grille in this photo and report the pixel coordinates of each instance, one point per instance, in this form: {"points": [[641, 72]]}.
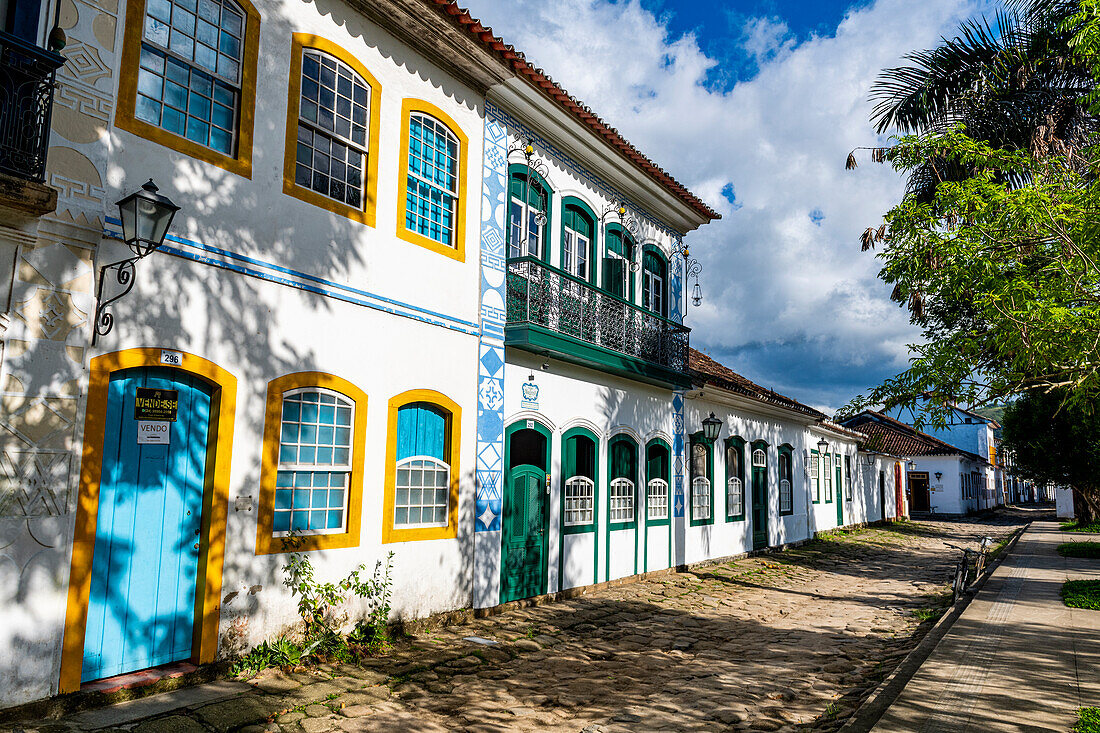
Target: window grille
{"points": [[423, 492], [622, 500], [314, 463], [734, 497], [189, 80], [700, 498], [657, 498], [759, 460], [785, 496], [432, 187], [580, 500], [332, 129]]}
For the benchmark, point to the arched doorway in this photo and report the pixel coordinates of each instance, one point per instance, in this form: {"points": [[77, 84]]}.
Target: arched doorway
{"points": [[526, 515]]}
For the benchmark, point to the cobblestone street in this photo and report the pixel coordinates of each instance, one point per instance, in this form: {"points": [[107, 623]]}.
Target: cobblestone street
{"points": [[785, 642]]}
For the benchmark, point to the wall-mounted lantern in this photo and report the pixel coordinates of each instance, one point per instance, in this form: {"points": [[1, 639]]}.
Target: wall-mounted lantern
{"points": [[712, 426], [939, 475], [822, 446], [146, 217]]}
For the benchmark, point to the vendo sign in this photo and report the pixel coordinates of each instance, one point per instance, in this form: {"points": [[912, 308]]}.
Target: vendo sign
{"points": [[153, 432]]}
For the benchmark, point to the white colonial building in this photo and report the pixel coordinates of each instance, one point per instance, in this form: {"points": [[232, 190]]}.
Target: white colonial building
{"points": [[416, 299]]}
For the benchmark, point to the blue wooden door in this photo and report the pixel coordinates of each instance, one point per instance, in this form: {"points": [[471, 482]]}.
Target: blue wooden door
{"points": [[141, 608]]}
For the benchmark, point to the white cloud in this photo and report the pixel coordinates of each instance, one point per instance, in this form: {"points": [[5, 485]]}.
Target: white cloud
{"points": [[789, 299]]}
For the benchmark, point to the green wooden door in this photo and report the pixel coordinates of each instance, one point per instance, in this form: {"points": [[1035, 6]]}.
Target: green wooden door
{"points": [[523, 545], [759, 507], [839, 495]]}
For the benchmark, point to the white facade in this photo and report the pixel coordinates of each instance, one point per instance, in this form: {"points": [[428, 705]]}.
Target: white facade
{"points": [[263, 291]]}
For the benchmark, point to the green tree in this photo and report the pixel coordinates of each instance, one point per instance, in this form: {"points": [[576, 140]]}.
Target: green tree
{"points": [[1002, 279], [1015, 83], [1051, 441]]}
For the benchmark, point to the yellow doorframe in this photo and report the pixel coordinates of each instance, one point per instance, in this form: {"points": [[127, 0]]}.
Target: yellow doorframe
{"points": [[215, 503]]}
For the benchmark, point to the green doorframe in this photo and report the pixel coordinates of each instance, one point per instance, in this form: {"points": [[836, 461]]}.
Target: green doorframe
{"points": [[515, 427], [620, 438], [665, 473], [760, 497], [839, 488], [568, 469], [530, 179]]}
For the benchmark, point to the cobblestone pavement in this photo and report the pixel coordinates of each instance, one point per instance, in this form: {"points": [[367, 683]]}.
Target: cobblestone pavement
{"points": [[785, 642]]}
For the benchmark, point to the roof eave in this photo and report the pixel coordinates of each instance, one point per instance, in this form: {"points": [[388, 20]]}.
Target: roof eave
{"points": [[534, 106]]}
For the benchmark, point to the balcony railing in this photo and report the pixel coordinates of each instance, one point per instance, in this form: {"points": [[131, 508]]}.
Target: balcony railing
{"points": [[544, 296], [26, 100]]}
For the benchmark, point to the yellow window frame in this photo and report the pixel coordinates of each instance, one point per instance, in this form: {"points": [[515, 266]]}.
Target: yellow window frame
{"points": [[458, 251], [451, 449], [266, 542], [125, 118], [365, 215]]}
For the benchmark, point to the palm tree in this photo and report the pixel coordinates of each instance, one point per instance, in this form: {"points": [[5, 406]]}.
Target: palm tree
{"points": [[1013, 83]]}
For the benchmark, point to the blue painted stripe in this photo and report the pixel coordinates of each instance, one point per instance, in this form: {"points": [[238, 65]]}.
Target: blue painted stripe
{"points": [[333, 289]]}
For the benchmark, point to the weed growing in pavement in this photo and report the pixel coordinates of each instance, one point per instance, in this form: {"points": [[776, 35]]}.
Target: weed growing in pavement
{"points": [[1088, 720], [1079, 549], [1081, 594], [1078, 527], [927, 614]]}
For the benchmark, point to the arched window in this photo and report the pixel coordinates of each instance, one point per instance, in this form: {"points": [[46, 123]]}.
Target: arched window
{"points": [[314, 463], [423, 474], [577, 228], [701, 469], [431, 191], [333, 119], [735, 478], [618, 254], [311, 477], [420, 498], [657, 473], [579, 470], [528, 213], [786, 490], [623, 456], [190, 77], [654, 282]]}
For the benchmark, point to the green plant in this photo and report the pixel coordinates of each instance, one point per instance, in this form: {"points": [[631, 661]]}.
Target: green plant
{"points": [[1082, 594], [1079, 549], [318, 602], [1088, 720], [927, 614], [1093, 527]]}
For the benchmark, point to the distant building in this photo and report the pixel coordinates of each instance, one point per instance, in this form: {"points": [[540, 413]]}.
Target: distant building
{"points": [[971, 433], [941, 478]]}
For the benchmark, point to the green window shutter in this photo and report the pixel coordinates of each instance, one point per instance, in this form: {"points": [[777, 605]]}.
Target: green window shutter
{"points": [[623, 460], [614, 276]]}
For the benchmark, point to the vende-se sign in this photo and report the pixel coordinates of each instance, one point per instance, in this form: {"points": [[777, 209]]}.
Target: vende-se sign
{"points": [[156, 404], [154, 432]]}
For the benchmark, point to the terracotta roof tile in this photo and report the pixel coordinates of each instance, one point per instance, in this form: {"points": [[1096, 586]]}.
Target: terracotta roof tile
{"points": [[887, 435], [483, 34], [708, 371]]}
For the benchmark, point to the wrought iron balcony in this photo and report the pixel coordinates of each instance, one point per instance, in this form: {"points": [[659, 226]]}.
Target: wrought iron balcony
{"points": [[26, 100], [579, 314]]}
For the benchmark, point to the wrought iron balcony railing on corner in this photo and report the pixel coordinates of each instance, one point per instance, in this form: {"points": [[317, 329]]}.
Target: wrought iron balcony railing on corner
{"points": [[26, 101], [544, 296]]}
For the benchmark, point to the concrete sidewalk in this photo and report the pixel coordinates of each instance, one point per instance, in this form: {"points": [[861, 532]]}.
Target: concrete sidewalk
{"points": [[1017, 659]]}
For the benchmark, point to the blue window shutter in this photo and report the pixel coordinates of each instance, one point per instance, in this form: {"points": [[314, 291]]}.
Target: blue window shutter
{"points": [[421, 431]]}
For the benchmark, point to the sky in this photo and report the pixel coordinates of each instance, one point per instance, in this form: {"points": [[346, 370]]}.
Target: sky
{"points": [[755, 105]]}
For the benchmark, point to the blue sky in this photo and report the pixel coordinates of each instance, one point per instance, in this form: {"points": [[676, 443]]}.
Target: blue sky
{"points": [[754, 105], [720, 28]]}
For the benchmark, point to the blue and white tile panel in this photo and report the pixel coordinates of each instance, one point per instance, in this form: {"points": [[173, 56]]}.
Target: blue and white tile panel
{"points": [[678, 454], [490, 386]]}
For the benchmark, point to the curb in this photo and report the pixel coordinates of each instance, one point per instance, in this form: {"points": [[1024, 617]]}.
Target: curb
{"points": [[868, 714]]}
